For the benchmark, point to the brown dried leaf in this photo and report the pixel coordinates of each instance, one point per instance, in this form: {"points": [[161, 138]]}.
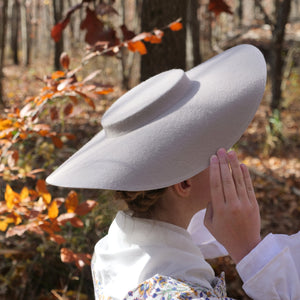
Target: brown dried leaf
{"points": [[16, 230], [57, 239], [76, 222], [64, 60], [64, 218], [68, 109], [53, 113], [57, 141], [85, 207], [66, 255]]}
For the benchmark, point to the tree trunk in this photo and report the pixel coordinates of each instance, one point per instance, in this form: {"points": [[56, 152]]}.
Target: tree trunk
{"points": [[58, 7], [14, 28], [3, 22], [26, 30], [192, 35], [281, 16], [171, 53], [35, 20], [205, 30], [239, 13]]}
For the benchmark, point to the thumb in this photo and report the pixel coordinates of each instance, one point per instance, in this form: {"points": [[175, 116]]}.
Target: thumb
{"points": [[208, 215]]}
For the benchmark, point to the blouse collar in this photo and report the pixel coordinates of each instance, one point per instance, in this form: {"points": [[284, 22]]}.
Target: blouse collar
{"points": [[136, 249]]}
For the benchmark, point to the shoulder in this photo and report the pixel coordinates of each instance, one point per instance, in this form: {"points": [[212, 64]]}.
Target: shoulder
{"points": [[162, 287]]}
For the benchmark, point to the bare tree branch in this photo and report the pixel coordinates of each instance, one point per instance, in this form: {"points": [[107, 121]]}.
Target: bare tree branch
{"points": [[268, 20]]}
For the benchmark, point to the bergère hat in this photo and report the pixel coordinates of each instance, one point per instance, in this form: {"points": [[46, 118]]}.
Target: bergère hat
{"points": [[165, 129]]}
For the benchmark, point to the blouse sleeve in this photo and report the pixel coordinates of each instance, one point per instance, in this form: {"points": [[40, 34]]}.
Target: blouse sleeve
{"points": [[272, 269]]}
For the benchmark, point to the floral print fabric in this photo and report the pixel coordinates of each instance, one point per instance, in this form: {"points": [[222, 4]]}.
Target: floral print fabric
{"points": [[161, 287], [167, 288]]}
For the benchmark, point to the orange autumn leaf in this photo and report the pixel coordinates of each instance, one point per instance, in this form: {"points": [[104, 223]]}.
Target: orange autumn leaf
{"points": [[57, 74], [23, 135], [71, 202], [5, 123], [3, 226], [90, 102], [41, 100], [105, 91], [153, 39], [46, 197], [137, 46], [10, 197], [16, 218], [87, 99], [175, 26], [53, 210], [24, 193]]}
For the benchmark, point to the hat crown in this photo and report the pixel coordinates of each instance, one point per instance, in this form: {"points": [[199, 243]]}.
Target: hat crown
{"points": [[145, 102]]}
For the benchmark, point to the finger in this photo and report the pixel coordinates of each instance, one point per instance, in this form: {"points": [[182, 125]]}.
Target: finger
{"points": [[208, 218], [216, 189], [238, 176], [248, 184], [226, 176]]}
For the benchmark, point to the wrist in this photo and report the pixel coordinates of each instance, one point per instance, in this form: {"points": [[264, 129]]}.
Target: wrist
{"points": [[238, 254]]}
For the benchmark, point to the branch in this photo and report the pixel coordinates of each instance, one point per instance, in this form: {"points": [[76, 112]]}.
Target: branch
{"points": [[266, 16]]}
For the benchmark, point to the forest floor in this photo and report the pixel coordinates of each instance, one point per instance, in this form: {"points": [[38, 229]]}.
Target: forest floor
{"points": [[272, 154]]}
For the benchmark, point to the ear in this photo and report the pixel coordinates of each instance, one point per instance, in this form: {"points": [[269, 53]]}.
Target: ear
{"points": [[183, 189]]}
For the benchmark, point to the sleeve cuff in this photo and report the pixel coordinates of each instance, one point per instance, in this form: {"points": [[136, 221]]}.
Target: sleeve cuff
{"points": [[254, 261]]}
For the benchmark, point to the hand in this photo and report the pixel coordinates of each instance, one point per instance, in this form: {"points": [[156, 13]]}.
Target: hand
{"points": [[232, 216]]}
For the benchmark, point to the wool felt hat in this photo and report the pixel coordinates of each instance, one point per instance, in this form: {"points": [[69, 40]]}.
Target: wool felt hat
{"points": [[165, 129]]}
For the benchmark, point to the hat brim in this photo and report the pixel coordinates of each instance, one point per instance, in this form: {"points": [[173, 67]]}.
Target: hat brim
{"points": [[166, 151]]}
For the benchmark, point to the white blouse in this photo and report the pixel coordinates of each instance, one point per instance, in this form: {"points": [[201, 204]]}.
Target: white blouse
{"points": [[135, 250]]}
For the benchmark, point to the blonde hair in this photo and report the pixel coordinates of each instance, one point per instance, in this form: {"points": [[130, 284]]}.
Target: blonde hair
{"points": [[141, 203]]}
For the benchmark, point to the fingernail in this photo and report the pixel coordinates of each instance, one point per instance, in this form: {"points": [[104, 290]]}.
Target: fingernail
{"points": [[221, 152], [232, 154], [214, 159]]}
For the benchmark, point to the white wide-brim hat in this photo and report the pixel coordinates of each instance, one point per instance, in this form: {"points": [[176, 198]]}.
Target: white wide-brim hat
{"points": [[165, 129]]}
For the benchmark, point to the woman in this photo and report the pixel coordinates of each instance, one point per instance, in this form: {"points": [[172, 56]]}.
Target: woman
{"points": [[157, 150]]}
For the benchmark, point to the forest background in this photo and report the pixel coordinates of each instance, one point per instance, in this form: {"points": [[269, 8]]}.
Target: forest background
{"points": [[63, 63]]}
